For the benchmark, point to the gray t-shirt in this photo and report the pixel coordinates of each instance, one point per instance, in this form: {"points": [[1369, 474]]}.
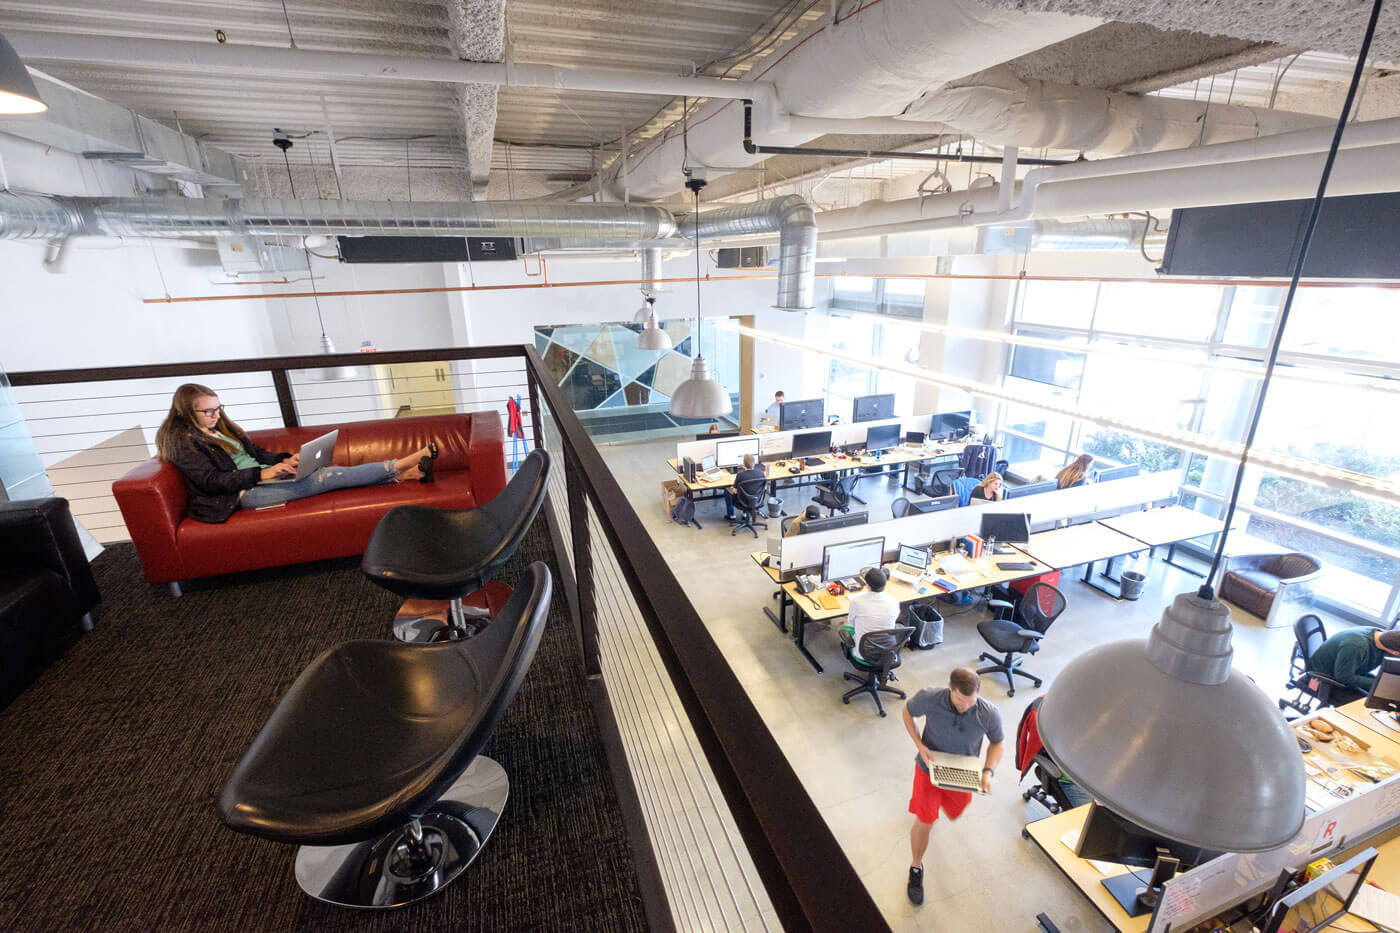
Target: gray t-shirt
{"points": [[947, 730]]}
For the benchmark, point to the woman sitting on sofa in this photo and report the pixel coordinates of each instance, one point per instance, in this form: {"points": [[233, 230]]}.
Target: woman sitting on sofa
{"points": [[223, 467]]}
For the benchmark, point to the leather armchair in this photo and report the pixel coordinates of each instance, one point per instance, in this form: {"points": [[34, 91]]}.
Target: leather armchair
{"points": [[1275, 587], [48, 596]]}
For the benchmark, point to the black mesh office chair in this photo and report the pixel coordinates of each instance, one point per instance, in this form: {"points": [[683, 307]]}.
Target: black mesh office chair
{"points": [[749, 498], [877, 657], [783, 524], [837, 497], [942, 484], [1311, 688], [1001, 467], [1018, 631], [900, 507], [372, 762]]}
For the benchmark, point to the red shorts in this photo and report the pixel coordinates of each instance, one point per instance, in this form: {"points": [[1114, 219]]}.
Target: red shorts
{"points": [[928, 797]]}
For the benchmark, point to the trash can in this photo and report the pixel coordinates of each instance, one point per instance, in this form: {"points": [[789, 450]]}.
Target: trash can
{"points": [[928, 626], [775, 507], [1131, 583]]}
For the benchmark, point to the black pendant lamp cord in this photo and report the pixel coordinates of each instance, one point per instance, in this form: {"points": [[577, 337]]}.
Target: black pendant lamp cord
{"points": [[1207, 591], [310, 273], [696, 195]]}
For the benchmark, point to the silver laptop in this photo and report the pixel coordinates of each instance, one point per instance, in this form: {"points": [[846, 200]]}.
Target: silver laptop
{"points": [[314, 455], [957, 772], [912, 561]]}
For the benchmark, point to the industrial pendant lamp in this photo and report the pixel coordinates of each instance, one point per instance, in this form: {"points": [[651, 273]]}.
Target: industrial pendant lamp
{"points": [[699, 396], [652, 336], [1162, 731], [17, 91]]}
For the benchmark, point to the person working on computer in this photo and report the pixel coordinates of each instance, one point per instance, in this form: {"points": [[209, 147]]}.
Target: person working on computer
{"points": [[1074, 474], [955, 720], [872, 609], [751, 471], [795, 526], [1351, 656], [777, 407], [990, 489]]}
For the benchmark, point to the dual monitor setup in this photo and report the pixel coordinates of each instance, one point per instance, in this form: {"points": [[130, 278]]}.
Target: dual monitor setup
{"points": [[811, 413], [847, 559]]}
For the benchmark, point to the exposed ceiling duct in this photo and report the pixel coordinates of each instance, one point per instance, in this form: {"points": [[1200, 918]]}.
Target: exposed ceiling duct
{"points": [[796, 225], [478, 30]]}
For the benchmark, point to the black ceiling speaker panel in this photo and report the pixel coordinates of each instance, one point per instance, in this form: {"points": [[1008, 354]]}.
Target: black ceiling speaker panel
{"points": [[425, 248], [1357, 237]]}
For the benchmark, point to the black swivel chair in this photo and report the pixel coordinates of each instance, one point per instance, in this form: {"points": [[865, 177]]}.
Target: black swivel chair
{"points": [[882, 648], [420, 552], [942, 484], [1311, 688], [749, 498], [1000, 468], [1034, 614], [900, 507], [371, 763], [837, 497]]}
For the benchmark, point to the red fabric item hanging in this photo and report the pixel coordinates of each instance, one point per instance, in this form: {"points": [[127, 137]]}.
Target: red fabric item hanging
{"points": [[515, 425]]}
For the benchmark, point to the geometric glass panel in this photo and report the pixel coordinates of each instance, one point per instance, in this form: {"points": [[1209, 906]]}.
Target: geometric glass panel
{"points": [[544, 330], [631, 361], [646, 377], [671, 370], [683, 347], [558, 360], [541, 341], [589, 385], [637, 394], [679, 329], [602, 349], [577, 337], [616, 400]]}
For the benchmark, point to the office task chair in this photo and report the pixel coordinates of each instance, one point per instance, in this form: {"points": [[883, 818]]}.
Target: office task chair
{"points": [[783, 524], [900, 507], [883, 648], [749, 498], [372, 762], [962, 488], [942, 482], [1311, 687], [837, 497], [1274, 587], [1036, 612], [1032, 757], [978, 459], [421, 552], [1000, 468]]}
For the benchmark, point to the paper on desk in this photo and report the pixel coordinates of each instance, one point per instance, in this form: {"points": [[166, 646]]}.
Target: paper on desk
{"points": [[1379, 907], [1071, 841], [955, 564]]}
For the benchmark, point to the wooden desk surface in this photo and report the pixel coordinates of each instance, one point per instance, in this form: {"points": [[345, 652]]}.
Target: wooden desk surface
{"points": [[778, 469], [758, 557], [1164, 526], [1047, 833], [1079, 544]]}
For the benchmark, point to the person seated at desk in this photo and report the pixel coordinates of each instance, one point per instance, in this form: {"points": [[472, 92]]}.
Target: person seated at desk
{"points": [[1350, 657], [795, 526], [776, 408], [872, 609], [751, 471], [1075, 473], [990, 489]]}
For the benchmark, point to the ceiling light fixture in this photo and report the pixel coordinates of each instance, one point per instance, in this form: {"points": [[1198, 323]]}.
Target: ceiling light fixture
{"points": [[17, 92], [652, 336], [1128, 720]]}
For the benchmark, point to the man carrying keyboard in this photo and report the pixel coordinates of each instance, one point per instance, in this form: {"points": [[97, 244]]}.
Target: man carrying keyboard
{"points": [[955, 721]]}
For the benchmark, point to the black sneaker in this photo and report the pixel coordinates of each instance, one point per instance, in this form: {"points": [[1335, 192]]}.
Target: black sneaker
{"points": [[916, 886]]}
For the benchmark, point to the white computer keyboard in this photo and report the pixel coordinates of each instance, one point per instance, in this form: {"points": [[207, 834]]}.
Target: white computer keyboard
{"points": [[966, 778], [911, 579]]}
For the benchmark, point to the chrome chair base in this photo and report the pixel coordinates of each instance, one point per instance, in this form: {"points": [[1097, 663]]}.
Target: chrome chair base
{"points": [[416, 861], [419, 629]]}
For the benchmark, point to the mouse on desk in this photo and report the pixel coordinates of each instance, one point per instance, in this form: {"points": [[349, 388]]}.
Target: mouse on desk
{"points": [[795, 469]]}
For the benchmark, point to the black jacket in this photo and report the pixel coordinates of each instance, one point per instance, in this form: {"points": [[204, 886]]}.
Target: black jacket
{"points": [[212, 482]]}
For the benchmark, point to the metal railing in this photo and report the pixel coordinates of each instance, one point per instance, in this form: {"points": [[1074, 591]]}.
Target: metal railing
{"points": [[737, 841]]}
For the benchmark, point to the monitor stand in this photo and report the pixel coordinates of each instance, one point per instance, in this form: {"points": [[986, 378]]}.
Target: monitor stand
{"points": [[1389, 720], [1137, 898]]}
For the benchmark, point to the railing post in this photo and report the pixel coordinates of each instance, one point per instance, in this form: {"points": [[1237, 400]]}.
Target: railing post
{"points": [[531, 381], [583, 563], [284, 398]]}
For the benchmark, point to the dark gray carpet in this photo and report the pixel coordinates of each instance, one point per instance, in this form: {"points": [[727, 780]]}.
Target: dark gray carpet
{"points": [[111, 762]]}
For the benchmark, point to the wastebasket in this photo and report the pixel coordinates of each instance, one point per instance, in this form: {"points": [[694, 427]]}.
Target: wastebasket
{"points": [[775, 507], [1131, 585], [928, 626]]}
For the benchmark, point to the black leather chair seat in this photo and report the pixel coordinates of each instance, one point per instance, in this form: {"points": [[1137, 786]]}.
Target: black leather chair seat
{"points": [[365, 729], [1002, 635], [430, 553]]}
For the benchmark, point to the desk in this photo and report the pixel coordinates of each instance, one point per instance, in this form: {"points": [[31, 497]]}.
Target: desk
{"points": [[1081, 544], [1169, 526], [1047, 833], [776, 470], [985, 573]]}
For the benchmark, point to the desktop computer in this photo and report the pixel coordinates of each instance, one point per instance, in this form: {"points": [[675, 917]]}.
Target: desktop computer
{"points": [[806, 413], [1029, 489], [883, 436], [872, 408], [844, 561], [1108, 837], [814, 525], [811, 445], [1110, 473], [1000, 527], [1384, 697], [950, 424], [934, 505], [730, 454]]}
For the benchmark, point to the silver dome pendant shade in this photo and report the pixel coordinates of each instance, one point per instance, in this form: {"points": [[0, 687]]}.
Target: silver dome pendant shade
{"points": [[652, 336], [1166, 734], [700, 396]]}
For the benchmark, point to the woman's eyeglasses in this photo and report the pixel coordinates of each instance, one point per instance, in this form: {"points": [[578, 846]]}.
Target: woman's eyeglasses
{"points": [[209, 411]]}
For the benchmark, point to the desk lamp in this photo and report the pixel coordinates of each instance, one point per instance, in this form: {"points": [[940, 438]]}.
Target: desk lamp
{"points": [[1163, 731]]}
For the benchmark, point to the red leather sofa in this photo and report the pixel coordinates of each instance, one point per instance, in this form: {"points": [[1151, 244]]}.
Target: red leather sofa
{"points": [[470, 471]]}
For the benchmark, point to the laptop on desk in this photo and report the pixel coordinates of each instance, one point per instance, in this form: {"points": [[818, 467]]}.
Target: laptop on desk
{"points": [[314, 455], [911, 564]]}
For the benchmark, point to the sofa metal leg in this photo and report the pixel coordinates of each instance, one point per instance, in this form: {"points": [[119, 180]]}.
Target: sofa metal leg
{"points": [[88, 620], [174, 588], [417, 860]]}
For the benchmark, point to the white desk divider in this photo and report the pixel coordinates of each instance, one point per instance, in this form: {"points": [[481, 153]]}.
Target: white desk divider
{"points": [[801, 551], [776, 442], [1208, 889]]}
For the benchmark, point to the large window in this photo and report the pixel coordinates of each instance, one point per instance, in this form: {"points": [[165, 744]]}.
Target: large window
{"points": [[869, 338]]}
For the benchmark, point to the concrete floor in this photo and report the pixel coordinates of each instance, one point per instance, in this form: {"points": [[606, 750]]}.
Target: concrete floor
{"points": [[980, 874]]}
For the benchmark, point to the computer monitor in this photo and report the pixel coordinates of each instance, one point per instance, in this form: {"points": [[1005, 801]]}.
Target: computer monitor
{"points": [[811, 444], [731, 453], [1108, 837], [1029, 489], [934, 505], [911, 556], [950, 424], [1326, 905], [840, 561], [714, 434], [872, 408], [1385, 691], [708, 463], [807, 413], [1122, 472], [914, 437], [882, 436], [1010, 527], [813, 525]]}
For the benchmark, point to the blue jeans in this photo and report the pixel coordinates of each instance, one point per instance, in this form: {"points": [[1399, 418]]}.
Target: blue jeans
{"points": [[323, 480]]}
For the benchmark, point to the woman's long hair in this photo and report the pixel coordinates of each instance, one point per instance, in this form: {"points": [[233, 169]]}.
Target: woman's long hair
{"points": [[180, 427], [987, 479], [1074, 472]]}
